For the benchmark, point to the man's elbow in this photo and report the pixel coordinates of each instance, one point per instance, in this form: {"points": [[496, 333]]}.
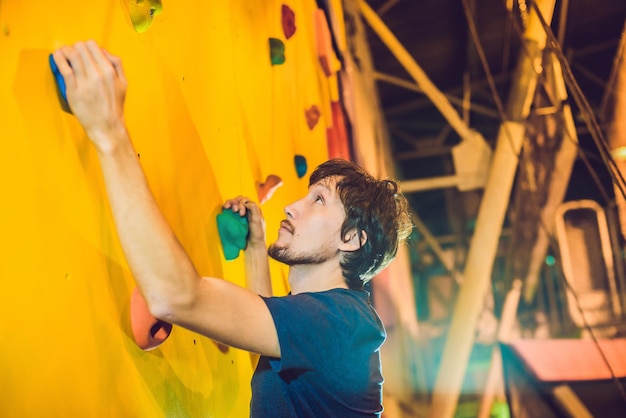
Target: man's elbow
{"points": [[172, 305]]}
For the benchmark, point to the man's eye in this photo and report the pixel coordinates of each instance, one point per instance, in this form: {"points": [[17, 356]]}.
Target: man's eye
{"points": [[319, 199]]}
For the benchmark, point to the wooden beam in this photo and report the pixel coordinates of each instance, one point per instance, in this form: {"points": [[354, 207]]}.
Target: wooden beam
{"points": [[431, 183], [592, 49], [559, 181], [420, 103], [590, 75], [423, 153], [397, 81], [434, 244], [563, 20], [386, 7], [425, 147], [617, 140], [484, 243], [610, 85], [410, 65]]}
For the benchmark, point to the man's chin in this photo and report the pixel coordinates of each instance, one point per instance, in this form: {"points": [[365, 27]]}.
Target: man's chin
{"points": [[285, 256], [279, 254]]}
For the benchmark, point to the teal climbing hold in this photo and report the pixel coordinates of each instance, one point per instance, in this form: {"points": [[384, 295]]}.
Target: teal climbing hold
{"points": [[277, 51], [301, 167], [233, 231]]}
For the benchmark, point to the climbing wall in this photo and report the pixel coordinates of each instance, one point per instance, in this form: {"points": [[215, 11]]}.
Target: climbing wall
{"points": [[213, 111]]}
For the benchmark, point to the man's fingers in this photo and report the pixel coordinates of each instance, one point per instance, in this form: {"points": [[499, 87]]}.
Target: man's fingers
{"points": [[88, 62], [64, 67], [242, 205], [97, 57], [75, 62], [117, 65], [236, 205], [254, 211]]}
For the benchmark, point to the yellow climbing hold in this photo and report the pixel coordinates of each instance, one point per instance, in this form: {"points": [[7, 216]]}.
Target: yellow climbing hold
{"points": [[142, 12]]}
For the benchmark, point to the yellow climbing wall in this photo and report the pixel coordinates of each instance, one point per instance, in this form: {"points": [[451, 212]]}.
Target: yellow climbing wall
{"points": [[209, 116]]}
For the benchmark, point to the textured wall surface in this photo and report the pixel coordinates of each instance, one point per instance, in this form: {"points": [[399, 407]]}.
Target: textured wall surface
{"points": [[209, 116]]}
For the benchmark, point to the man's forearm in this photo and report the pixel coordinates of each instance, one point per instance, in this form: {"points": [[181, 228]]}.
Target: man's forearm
{"points": [[257, 267], [157, 260]]}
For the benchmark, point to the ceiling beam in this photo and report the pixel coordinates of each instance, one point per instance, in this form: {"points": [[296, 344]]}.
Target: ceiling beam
{"points": [[589, 74], [592, 49], [423, 147], [563, 20], [386, 7], [408, 85], [434, 151], [617, 61], [420, 103], [404, 136], [402, 55]]}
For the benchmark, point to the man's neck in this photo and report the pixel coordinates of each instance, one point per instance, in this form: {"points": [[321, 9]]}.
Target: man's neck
{"points": [[316, 278]]}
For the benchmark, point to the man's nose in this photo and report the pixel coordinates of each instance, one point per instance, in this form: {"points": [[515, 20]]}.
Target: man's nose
{"points": [[290, 211]]}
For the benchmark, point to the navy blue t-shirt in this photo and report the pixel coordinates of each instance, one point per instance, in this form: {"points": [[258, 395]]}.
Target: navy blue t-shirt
{"points": [[330, 358]]}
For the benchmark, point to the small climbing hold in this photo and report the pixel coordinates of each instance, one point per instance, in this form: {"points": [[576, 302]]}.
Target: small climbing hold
{"points": [[289, 21], [60, 84], [312, 116], [277, 51], [301, 166], [325, 52], [233, 232], [221, 346], [266, 190], [142, 12]]}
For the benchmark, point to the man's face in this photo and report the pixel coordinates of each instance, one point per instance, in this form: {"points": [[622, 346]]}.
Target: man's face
{"points": [[311, 234]]}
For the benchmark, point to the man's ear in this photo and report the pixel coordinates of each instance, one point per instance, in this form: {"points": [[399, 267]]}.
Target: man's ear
{"points": [[354, 240]]}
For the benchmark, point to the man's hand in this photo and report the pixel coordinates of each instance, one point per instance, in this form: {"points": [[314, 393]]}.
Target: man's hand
{"points": [[243, 206], [255, 255], [96, 89]]}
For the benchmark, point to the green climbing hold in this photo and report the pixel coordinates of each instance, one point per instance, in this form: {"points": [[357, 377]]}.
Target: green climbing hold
{"points": [[277, 51], [233, 231]]}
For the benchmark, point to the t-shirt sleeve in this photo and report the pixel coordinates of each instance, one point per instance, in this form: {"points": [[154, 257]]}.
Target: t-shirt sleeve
{"points": [[310, 329]]}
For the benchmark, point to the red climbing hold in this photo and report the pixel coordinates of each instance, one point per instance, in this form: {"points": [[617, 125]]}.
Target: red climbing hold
{"points": [[289, 21]]}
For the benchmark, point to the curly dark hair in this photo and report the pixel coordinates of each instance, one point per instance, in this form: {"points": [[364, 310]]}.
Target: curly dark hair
{"points": [[374, 206]]}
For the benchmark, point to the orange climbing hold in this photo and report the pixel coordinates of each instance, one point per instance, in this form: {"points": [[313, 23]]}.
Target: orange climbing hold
{"points": [[148, 331], [266, 190]]}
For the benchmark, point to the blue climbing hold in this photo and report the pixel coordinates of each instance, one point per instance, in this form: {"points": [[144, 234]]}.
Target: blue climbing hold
{"points": [[60, 84], [301, 167]]}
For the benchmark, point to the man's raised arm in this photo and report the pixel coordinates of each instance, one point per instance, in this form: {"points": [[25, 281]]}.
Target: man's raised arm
{"points": [[174, 291]]}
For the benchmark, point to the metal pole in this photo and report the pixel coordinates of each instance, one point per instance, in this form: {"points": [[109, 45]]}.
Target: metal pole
{"points": [[490, 218], [617, 142], [564, 163]]}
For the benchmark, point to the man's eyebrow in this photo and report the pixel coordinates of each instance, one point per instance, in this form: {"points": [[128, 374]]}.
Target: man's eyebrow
{"points": [[323, 185]]}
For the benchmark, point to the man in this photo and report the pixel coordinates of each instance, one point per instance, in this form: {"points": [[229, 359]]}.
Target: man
{"points": [[319, 345]]}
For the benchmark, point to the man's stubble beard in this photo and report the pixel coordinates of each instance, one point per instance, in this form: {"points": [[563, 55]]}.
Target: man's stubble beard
{"points": [[288, 257]]}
